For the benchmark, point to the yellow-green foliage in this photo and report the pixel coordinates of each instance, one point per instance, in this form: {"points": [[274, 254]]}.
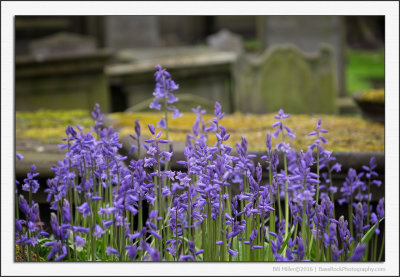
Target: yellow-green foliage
{"points": [[345, 133], [48, 126], [21, 256], [373, 95]]}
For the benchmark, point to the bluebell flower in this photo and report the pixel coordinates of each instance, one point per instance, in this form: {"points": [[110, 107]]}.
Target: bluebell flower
{"points": [[186, 257], [19, 157], [98, 232], [358, 220], [80, 229], [336, 253], [55, 248], [344, 234], [380, 208], [112, 251], [31, 184], [132, 249], [23, 205], [84, 209], [66, 215], [300, 249], [281, 127], [317, 132], [79, 241], [358, 253], [351, 183], [163, 92], [162, 123], [232, 252], [98, 117]]}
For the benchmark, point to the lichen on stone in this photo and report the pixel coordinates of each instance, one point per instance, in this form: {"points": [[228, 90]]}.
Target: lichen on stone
{"points": [[48, 126], [373, 95], [346, 133]]}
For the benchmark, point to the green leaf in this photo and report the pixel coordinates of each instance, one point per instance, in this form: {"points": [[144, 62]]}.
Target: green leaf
{"points": [[268, 252], [368, 235], [287, 240]]}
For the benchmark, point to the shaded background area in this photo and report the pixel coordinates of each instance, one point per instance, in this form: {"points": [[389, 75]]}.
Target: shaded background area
{"points": [[110, 60]]}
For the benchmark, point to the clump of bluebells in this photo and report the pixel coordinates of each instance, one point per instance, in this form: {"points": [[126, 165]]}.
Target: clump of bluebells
{"points": [[218, 208]]}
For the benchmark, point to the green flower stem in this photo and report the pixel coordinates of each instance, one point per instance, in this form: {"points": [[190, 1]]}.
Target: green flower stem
{"points": [[368, 201], [351, 213], [368, 216], [286, 202], [29, 233], [93, 238], [382, 246], [203, 240], [295, 230], [176, 233], [367, 248], [262, 236], [304, 226], [228, 190], [71, 193], [330, 184], [317, 246], [317, 198], [375, 246], [271, 213], [105, 237], [140, 217], [279, 201], [16, 206], [222, 227], [138, 148], [166, 166], [28, 249], [209, 229]]}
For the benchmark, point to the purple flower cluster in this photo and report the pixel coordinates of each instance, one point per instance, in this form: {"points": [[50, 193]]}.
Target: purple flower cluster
{"points": [[28, 228], [163, 94], [108, 208]]}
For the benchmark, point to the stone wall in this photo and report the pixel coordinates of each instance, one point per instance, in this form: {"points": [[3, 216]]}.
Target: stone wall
{"points": [[126, 31], [64, 82]]}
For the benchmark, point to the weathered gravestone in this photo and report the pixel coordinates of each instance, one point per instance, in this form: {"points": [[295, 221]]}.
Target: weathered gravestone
{"points": [[62, 43], [284, 77], [63, 71], [225, 40], [307, 33], [126, 31]]}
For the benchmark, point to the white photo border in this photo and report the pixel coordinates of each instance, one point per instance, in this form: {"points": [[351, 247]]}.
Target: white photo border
{"points": [[390, 9]]}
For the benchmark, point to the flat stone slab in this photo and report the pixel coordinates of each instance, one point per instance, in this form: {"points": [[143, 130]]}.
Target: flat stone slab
{"points": [[61, 43], [142, 54], [61, 64], [43, 155], [138, 61]]}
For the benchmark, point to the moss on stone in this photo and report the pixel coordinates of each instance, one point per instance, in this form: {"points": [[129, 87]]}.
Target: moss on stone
{"points": [[345, 133], [373, 95], [48, 126], [20, 256]]}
